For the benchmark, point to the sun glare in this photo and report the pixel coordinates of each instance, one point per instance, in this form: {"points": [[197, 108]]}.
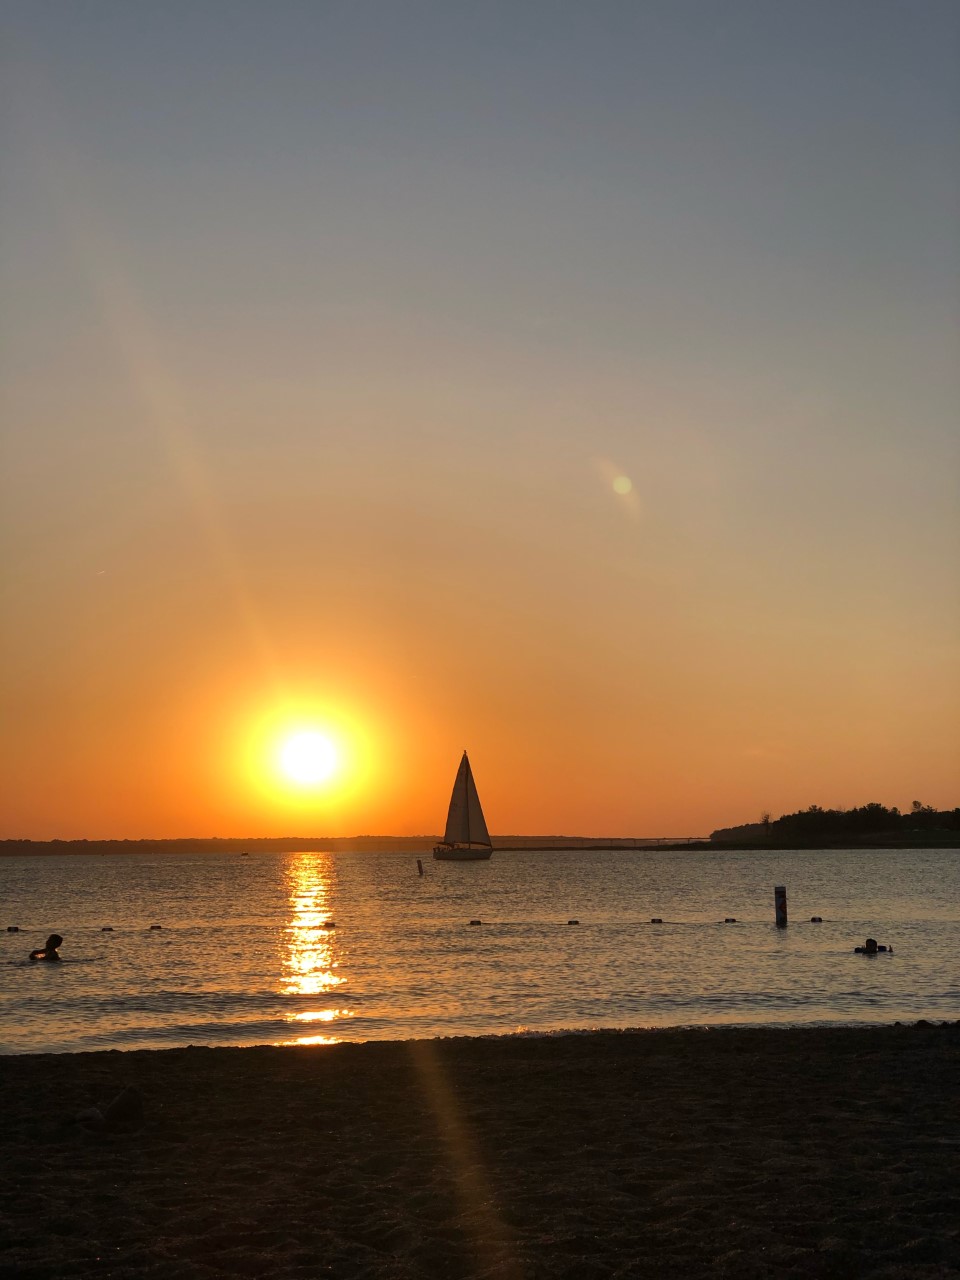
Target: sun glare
{"points": [[304, 757], [307, 758]]}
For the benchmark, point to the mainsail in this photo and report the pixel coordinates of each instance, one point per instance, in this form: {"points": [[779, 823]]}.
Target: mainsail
{"points": [[465, 824]]}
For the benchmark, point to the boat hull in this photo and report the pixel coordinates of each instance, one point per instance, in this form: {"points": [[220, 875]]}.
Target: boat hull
{"points": [[450, 853]]}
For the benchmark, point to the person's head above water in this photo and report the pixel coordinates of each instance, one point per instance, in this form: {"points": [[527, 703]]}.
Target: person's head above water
{"points": [[49, 951]]}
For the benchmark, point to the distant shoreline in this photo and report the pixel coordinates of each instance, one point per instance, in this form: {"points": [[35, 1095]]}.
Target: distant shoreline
{"points": [[424, 844], [327, 844]]}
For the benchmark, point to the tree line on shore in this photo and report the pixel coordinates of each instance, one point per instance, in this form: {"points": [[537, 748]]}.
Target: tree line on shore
{"points": [[921, 824], [815, 825]]}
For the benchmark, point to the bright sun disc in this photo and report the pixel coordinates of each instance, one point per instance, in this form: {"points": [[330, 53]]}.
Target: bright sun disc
{"points": [[308, 757]]}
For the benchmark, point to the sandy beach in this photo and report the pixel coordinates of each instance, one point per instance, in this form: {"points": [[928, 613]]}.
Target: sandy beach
{"points": [[732, 1152]]}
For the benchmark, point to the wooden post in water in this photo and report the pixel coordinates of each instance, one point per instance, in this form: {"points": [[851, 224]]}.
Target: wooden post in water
{"points": [[419, 867], [780, 902]]}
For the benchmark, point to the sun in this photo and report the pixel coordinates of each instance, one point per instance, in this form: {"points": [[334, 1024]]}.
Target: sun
{"points": [[307, 758], [298, 756]]}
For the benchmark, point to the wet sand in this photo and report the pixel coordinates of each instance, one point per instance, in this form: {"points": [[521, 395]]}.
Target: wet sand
{"points": [[734, 1152]]}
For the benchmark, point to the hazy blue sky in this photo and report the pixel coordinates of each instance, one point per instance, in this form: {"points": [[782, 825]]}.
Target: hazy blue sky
{"points": [[328, 326]]}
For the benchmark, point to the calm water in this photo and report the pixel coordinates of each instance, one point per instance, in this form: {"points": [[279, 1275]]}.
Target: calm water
{"points": [[244, 957]]}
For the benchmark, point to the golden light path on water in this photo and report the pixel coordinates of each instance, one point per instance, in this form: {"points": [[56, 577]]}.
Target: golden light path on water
{"points": [[310, 963], [310, 957]]}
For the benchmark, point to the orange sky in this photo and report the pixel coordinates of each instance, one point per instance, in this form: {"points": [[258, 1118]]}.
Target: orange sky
{"points": [[320, 394]]}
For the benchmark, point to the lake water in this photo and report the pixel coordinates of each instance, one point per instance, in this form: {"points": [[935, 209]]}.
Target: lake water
{"points": [[246, 954]]}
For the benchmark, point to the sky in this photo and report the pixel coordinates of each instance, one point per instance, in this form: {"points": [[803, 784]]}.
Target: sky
{"points": [[573, 384]]}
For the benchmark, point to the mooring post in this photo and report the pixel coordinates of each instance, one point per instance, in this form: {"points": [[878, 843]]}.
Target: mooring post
{"points": [[780, 902], [419, 867]]}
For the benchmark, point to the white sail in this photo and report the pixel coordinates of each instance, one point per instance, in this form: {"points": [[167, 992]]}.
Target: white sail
{"points": [[465, 823]]}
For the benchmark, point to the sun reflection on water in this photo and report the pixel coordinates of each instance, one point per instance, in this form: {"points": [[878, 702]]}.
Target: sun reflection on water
{"points": [[310, 954]]}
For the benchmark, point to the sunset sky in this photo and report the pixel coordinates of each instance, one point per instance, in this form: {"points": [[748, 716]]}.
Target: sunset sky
{"points": [[575, 383]]}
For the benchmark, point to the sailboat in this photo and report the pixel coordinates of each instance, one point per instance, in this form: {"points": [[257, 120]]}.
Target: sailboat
{"points": [[466, 838]]}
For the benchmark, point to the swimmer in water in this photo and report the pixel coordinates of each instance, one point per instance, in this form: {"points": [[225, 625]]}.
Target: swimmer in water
{"points": [[49, 951]]}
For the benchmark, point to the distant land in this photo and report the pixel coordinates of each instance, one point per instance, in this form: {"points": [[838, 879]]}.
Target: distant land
{"points": [[329, 844], [921, 826], [871, 825]]}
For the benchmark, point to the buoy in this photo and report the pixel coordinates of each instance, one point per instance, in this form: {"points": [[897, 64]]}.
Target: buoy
{"points": [[573, 922], [657, 920], [13, 928], [816, 919], [780, 905], [476, 922], [155, 926], [730, 920], [107, 928], [419, 867]]}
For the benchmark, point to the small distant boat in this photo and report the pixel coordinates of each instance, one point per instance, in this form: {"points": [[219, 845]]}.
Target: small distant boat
{"points": [[466, 838]]}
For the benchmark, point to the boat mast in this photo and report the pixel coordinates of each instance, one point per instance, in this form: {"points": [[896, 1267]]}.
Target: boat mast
{"points": [[466, 793]]}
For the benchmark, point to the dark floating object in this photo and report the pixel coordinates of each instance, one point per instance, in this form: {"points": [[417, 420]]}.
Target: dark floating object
{"points": [[476, 922], [657, 920], [870, 948], [13, 928], [573, 922], [328, 924], [155, 926], [816, 919], [730, 920], [107, 928]]}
